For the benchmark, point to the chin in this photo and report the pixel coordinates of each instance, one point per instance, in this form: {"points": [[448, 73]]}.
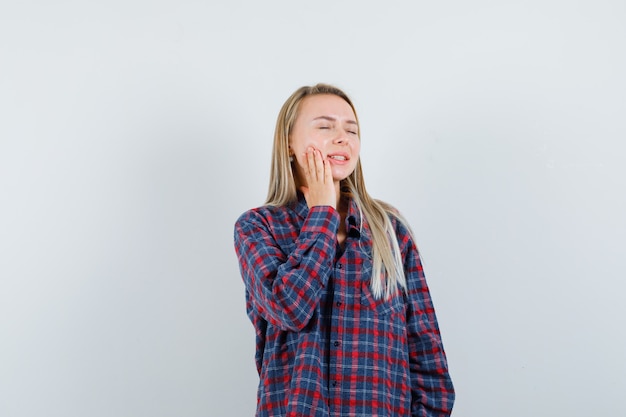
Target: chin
{"points": [[341, 176]]}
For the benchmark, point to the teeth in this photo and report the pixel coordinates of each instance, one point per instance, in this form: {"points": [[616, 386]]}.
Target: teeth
{"points": [[338, 157]]}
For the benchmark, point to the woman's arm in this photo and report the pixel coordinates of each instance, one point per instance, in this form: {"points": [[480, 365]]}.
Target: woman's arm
{"points": [[285, 288], [432, 391]]}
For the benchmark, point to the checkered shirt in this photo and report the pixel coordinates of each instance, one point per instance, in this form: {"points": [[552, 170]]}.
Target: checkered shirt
{"points": [[324, 345]]}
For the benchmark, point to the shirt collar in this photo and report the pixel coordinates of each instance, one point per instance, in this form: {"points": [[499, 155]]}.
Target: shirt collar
{"points": [[302, 209]]}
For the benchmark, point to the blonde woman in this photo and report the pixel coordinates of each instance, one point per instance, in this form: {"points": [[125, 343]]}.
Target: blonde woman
{"points": [[335, 290]]}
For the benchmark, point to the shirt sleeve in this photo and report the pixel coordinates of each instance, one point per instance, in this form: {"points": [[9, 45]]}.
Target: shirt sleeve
{"points": [[284, 288], [432, 392]]}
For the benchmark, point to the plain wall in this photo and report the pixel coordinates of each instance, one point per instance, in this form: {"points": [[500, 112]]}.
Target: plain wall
{"points": [[133, 133]]}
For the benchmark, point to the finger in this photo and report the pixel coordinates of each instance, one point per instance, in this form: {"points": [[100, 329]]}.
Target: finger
{"points": [[319, 166], [310, 165], [328, 172]]}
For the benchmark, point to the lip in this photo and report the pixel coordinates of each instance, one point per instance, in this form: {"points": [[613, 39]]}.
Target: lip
{"points": [[338, 161]]}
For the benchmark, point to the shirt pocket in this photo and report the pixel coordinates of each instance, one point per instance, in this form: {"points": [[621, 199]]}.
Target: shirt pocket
{"points": [[379, 306]]}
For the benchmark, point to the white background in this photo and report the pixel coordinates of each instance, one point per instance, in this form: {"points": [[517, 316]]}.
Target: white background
{"points": [[133, 133]]}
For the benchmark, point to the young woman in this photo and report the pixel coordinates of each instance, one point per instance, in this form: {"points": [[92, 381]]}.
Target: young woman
{"points": [[335, 290]]}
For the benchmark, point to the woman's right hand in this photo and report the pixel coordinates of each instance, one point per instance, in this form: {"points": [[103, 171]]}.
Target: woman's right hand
{"points": [[320, 187]]}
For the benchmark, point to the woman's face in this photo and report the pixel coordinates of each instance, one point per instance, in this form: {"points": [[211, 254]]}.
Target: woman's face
{"points": [[327, 123]]}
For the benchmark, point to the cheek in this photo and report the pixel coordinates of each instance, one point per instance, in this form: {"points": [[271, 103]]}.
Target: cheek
{"points": [[300, 160], [301, 147], [356, 148], [298, 143]]}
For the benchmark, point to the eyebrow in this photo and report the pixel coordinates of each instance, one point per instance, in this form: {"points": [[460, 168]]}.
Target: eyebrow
{"points": [[332, 119]]}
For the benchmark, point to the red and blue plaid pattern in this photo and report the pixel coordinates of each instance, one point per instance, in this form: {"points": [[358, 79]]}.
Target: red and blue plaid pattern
{"points": [[325, 345]]}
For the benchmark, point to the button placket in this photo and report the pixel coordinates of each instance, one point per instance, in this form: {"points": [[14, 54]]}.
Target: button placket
{"points": [[339, 316]]}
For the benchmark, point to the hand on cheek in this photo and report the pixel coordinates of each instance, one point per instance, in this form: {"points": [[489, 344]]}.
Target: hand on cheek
{"points": [[320, 188]]}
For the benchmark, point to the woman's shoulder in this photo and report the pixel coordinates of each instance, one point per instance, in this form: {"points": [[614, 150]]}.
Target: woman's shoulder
{"points": [[279, 224], [391, 210], [266, 213], [400, 223]]}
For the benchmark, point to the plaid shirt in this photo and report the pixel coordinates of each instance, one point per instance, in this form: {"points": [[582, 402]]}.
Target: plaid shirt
{"points": [[324, 345]]}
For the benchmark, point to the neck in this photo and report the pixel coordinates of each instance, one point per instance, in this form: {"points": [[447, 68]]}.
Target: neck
{"points": [[342, 203], [338, 193]]}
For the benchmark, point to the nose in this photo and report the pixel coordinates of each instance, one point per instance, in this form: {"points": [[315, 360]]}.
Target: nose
{"points": [[341, 138]]}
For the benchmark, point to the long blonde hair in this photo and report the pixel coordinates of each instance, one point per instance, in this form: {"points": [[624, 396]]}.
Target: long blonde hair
{"points": [[388, 269]]}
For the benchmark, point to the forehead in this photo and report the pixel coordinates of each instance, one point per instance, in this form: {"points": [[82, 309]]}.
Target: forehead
{"points": [[326, 105]]}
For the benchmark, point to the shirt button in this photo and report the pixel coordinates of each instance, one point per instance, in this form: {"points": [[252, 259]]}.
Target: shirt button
{"points": [[338, 303], [337, 343], [334, 383], [338, 266]]}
